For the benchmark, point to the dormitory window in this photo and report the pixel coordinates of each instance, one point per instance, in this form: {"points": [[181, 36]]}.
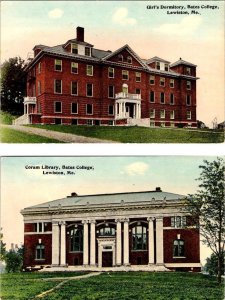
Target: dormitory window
{"points": [[138, 76], [39, 87], [172, 83], [188, 115], [152, 79], [74, 48], [178, 221], [89, 70], [58, 65], [39, 68], [87, 51], [120, 57], [188, 71], [74, 68], [139, 238], [129, 60], [58, 86], [74, 88], [38, 227], [89, 90], [76, 240], [162, 81], [89, 109], [166, 67], [111, 72], [74, 108], [162, 114], [162, 98], [158, 65], [111, 91], [188, 85], [171, 99], [58, 107], [178, 248], [40, 252], [111, 110], [172, 115], [152, 97], [152, 113], [188, 100], [125, 75], [138, 91]]}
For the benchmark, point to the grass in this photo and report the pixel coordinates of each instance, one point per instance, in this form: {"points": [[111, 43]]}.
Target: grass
{"points": [[8, 135], [140, 134], [112, 286]]}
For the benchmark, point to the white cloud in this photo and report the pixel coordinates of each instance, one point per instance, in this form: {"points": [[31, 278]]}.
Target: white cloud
{"points": [[55, 13], [186, 26], [121, 17], [137, 168]]}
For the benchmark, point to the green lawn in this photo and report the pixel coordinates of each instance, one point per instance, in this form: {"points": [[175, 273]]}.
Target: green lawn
{"points": [[8, 135], [140, 134], [112, 286]]}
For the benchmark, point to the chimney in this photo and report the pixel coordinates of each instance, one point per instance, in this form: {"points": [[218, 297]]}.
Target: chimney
{"points": [[73, 195], [80, 34], [158, 189]]}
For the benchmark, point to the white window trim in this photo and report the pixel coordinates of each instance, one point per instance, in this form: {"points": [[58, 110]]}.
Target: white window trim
{"points": [[120, 56], [188, 115], [130, 59], [92, 109], [173, 99], [164, 114], [71, 108], [187, 101], [92, 89], [75, 48], [86, 47], [152, 123], [113, 72], [137, 77], [157, 63], [150, 97], [92, 70], [57, 112], [127, 75], [172, 115], [108, 110], [56, 65], [72, 68], [152, 111], [72, 88], [39, 68], [150, 80], [164, 81], [113, 92], [188, 85], [55, 87], [173, 83], [164, 98]]}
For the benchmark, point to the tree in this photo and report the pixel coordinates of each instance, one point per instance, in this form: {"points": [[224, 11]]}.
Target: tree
{"points": [[2, 247], [211, 265], [13, 85], [207, 206], [14, 260]]}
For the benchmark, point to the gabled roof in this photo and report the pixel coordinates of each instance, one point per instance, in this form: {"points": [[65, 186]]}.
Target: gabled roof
{"points": [[182, 62], [132, 53], [100, 53], [156, 58], [77, 42]]}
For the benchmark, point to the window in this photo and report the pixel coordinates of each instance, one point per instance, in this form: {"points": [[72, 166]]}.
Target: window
{"points": [[188, 85], [87, 51], [125, 75], [58, 107], [162, 81], [138, 91], [111, 91], [111, 110], [172, 83], [89, 70], [107, 231], [152, 113], [129, 60], [166, 67], [74, 67], [74, 108], [89, 89], [162, 98], [89, 122], [58, 121], [163, 124], [39, 68], [162, 114], [138, 76], [38, 227], [58, 65], [188, 115], [111, 122], [74, 48], [125, 88], [139, 238], [158, 65], [152, 97], [76, 239], [89, 109], [188, 99], [171, 99], [40, 252], [152, 80], [178, 221], [120, 56], [58, 86], [152, 124], [74, 88], [188, 71], [172, 115], [39, 87], [178, 248], [111, 72]]}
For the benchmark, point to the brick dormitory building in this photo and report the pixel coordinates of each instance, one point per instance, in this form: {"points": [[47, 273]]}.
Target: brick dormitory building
{"points": [[149, 229], [75, 83]]}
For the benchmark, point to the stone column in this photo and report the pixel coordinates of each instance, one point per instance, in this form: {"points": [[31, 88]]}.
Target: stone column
{"points": [[126, 242], [159, 241], [63, 244], [85, 242], [150, 241], [118, 243], [92, 254], [55, 244]]}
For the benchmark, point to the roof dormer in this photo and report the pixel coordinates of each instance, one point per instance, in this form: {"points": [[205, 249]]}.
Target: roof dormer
{"points": [[158, 63]]}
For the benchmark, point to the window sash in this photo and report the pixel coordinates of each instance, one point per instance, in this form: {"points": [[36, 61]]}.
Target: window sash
{"points": [[74, 88], [162, 81], [87, 51], [74, 108], [152, 113], [58, 65], [162, 114], [172, 83], [138, 76], [111, 91], [152, 80], [111, 72], [58, 86], [152, 96], [58, 107], [89, 90], [89, 109], [111, 110], [162, 98], [74, 67], [89, 70], [172, 99], [74, 48], [125, 75]]}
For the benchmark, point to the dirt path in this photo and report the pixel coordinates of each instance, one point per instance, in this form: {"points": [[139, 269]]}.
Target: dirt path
{"points": [[60, 136], [65, 280]]}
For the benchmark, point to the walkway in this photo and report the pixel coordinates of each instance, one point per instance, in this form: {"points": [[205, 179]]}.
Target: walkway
{"points": [[60, 136]]}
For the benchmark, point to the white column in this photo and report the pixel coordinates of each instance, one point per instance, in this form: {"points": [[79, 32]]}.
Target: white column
{"points": [[92, 255], [135, 116], [159, 241], [55, 243], [63, 244], [150, 241], [115, 110], [85, 242], [126, 242], [121, 109], [118, 243]]}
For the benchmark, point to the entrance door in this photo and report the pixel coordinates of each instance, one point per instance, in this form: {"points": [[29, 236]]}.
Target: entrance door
{"points": [[127, 111], [107, 259]]}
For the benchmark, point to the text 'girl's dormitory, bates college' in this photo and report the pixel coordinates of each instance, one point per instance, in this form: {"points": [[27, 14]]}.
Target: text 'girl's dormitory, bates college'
{"points": [[75, 83]]}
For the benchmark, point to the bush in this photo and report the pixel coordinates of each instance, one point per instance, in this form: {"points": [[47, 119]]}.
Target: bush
{"points": [[14, 261]]}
